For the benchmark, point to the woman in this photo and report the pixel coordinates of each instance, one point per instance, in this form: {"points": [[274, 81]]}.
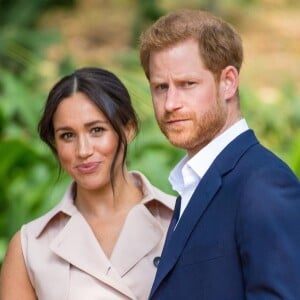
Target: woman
{"points": [[104, 239]]}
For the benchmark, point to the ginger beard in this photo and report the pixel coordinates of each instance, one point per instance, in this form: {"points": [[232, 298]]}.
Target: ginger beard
{"points": [[198, 131]]}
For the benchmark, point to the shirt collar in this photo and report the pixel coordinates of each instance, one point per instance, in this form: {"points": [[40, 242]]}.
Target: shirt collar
{"points": [[196, 167]]}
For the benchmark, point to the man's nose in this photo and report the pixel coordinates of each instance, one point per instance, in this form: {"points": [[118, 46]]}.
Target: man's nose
{"points": [[173, 99]]}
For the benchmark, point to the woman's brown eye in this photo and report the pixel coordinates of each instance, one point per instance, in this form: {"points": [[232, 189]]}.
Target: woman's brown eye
{"points": [[98, 129], [66, 135]]}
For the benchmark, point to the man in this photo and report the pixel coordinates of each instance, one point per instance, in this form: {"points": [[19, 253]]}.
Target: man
{"points": [[238, 233]]}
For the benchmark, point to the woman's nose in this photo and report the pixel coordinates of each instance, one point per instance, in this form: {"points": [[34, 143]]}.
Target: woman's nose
{"points": [[85, 147]]}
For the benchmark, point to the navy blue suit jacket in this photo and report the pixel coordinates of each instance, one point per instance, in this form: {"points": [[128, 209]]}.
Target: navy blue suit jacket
{"points": [[239, 236]]}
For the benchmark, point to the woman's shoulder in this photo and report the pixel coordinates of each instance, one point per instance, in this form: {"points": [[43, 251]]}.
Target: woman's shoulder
{"points": [[14, 273]]}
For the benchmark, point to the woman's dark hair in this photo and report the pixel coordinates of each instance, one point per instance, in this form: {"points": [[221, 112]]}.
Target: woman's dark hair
{"points": [[106, 91]]}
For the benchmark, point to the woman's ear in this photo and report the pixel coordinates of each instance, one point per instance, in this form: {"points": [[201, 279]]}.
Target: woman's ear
{"points": [[130, 131], [229, 82]]}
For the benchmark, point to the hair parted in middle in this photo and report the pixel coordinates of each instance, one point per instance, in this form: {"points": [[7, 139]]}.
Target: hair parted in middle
{"points": [[106, 91]]}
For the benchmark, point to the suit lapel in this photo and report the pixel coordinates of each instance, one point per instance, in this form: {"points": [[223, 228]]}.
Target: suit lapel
{"points": [[77, 245], [203, 195], [196, 207]]}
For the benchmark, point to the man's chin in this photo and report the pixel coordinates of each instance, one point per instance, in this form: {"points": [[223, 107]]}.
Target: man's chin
{"points": [[176, 142]]}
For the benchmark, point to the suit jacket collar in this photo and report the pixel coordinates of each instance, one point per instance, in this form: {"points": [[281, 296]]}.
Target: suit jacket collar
{"points": [[204, 193]]}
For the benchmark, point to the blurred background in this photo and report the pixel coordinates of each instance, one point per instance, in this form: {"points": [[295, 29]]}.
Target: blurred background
{"points": [[42, 40]]}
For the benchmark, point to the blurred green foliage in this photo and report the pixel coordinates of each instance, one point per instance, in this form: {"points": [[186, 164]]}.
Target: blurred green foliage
{"points": [[21, 42], [28, 172], [29, 180]]}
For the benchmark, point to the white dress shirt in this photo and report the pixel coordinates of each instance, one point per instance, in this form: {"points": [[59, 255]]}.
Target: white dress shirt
{"points": [[187, 174]]}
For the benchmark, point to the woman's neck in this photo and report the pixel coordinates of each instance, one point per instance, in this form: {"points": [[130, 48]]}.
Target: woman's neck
{"points": [[109, 200]]}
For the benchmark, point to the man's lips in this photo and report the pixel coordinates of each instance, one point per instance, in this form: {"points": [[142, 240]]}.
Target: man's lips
{"points": [[87, 168], [175, 121]]}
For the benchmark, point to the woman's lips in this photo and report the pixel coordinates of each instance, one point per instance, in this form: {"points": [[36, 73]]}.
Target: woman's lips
{"points": [[88, 168]]}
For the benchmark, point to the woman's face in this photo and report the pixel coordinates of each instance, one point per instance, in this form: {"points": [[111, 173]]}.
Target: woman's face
{"points": [[86, 142]]}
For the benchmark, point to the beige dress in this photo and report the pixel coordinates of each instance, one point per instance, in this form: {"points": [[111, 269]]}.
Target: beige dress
{"points": [[65, 261]]}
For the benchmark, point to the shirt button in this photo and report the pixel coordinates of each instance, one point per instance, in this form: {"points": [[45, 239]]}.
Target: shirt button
{"points": [[156, 261]]}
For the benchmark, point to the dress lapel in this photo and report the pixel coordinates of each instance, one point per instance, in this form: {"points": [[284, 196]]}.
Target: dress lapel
{"points": [[132, 244], [77, 245]]}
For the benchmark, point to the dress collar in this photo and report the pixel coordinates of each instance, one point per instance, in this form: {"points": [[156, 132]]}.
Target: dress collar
{"points": [[67, 207]]}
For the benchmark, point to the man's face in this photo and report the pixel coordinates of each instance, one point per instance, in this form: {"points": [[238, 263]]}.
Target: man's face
{"points": [[186, 97]]}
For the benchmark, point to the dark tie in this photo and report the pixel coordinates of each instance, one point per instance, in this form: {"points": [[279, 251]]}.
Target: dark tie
{"points": [[174, 219]]}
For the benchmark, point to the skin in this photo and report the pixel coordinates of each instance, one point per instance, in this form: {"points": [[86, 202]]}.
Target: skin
{"points": [[190, 106], [14, 280], [86, 145]]}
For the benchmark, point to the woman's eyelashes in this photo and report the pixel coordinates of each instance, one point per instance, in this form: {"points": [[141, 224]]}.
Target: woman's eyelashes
{"points": [[66, 136], [97, 130], [94, 131]]}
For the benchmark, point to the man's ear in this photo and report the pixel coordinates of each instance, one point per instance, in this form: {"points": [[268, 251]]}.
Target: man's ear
{"points": [[229, 82], [130, 131]]}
